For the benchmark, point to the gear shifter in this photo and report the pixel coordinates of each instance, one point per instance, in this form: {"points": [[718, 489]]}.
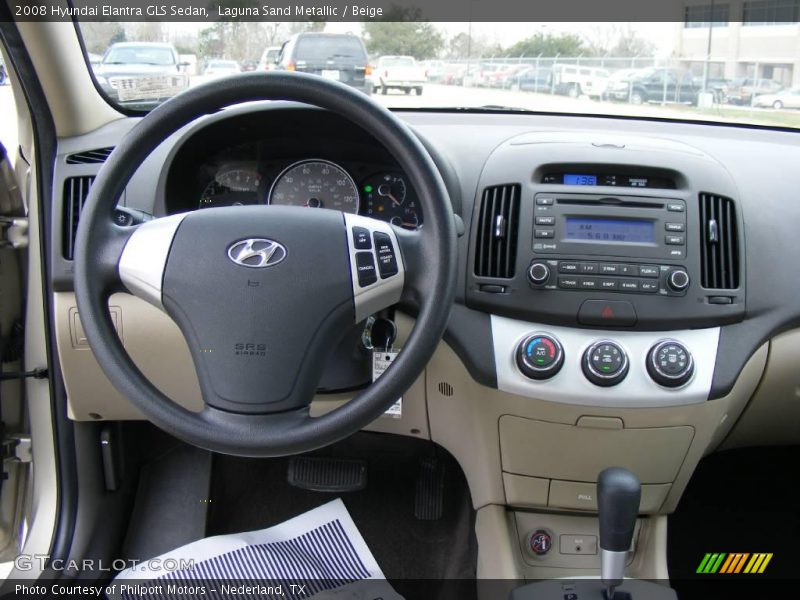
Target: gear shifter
{"points": [[618, 495]]}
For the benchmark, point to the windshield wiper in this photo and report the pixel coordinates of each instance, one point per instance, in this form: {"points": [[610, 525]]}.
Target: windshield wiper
{"points": [[497, 107]]}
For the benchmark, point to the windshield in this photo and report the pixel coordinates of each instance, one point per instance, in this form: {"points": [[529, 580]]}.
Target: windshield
{"points": [[735, 72], [139, 55]]}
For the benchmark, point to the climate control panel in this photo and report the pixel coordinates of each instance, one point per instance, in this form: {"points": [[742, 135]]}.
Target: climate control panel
{"points": [[604, 368]]}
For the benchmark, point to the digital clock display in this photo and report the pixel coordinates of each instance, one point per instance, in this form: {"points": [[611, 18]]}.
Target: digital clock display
{"points": [[614, 231], [575, 179]]}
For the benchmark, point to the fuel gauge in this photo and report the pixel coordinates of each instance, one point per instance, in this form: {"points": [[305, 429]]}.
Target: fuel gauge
{"points": [[387, 197]]}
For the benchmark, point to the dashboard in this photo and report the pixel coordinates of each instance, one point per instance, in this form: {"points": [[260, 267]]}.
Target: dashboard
{"points": [[331, 165]]}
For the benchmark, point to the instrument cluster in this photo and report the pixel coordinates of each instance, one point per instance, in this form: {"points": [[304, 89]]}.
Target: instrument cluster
{"points": [[369, 190]]}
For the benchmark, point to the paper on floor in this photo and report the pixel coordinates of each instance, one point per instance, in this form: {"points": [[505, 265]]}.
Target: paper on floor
{"points": [[321, 550]]}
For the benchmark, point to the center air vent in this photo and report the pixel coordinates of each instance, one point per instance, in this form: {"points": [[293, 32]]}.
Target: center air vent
{"points": [[89, 157], [76, 189], [719, 248], [498, 225]]}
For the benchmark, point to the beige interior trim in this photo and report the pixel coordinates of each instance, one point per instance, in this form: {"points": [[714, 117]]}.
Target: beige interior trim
{"points": [[55, 51]]}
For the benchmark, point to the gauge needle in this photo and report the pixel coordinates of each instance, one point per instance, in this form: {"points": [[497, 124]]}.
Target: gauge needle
{"points": [[388, 194]]}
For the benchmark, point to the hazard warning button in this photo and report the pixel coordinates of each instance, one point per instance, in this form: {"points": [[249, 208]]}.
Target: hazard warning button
{"points": [[610, 313]]}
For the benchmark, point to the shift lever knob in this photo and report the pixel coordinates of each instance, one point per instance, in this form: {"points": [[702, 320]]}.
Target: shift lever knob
{"points": [[618, 495]]}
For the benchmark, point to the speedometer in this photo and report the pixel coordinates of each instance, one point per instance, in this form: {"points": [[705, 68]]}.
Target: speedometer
{"points": [[317, 184]]}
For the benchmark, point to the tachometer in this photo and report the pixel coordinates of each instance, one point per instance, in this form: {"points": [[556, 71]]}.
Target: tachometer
{"points": [[316, 184], [232, 186]]}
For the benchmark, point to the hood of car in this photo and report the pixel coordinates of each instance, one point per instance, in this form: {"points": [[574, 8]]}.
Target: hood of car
{"points": [[127, 70]]}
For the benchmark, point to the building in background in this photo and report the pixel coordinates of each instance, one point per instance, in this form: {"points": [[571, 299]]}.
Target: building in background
{"points": [[754, 39]]}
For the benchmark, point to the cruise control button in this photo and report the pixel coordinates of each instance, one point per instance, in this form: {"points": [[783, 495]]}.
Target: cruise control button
{"points": [[648, 271], [567, 267], [361, 239], [618, 313], [387, 260], [365, 266], [675, 227]]}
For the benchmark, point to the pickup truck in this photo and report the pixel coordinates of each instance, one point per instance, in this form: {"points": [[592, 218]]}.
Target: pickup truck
{"points": [[400, 73]]}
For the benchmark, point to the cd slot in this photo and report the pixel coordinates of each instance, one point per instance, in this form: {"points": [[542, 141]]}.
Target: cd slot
{"points": [[609, 202]]}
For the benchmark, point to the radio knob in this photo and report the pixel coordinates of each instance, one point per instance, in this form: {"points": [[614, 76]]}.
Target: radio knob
{"points": [[540, 356], [538, 273], [678, 280], [605, 363], [669, 363]]}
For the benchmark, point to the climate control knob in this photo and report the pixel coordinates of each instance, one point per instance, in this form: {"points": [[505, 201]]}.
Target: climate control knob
{"points": [[605, 363], [538, 273], [669, 363], [678, 280], [540, 356]]}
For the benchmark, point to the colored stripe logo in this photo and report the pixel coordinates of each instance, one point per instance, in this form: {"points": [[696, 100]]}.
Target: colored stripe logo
{"points": [[738, 562]]}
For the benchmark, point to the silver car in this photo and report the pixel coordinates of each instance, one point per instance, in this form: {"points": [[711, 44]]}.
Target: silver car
{"points": [[789, 98]]}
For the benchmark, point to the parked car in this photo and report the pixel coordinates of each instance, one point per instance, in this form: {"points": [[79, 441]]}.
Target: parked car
{"points": [[221, 68], [657, 84], [531, 80], [501, 77], [788, 98], [434, 69], [398, 73], [618, 85], [249, 65], [482, 73], [718, 86], [269, 59], [338, 56], [743, 91], [453, 74], [3, 75], [141, 72], [574, 80]]}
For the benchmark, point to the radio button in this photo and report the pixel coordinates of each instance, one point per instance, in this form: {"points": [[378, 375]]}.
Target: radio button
{"points": [[544, 202], [548, 221], [675, 227], [648, 271], [648, 285], [589, 267], [538, 273], [674, 207], [544, 233], [609, 284], [675, 240], [629, 285], [588, 284], [609, 269], [567, 267], [568, 283], [629, 270], [676, 253]]}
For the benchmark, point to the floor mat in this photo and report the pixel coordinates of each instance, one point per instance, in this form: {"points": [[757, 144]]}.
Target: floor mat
{"points": [[738, 501], [254, 493], [318, 554]]}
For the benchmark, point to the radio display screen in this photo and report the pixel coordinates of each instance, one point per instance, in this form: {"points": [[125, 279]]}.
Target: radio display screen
{"points": [[574, 179], [615, 231]]}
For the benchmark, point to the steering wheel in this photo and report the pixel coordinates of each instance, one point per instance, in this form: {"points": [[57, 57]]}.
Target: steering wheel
{"points": [[263, 293]]}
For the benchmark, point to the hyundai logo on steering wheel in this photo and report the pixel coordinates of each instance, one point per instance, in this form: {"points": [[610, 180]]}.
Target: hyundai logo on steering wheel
{"points": [[257, 253]]}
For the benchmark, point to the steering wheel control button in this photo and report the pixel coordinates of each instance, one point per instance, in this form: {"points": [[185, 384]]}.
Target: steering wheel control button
{"points": [[540, 356], [540, 542], [678, 280], [365, 266], [605, 363], [607, 313], [361, 239], [387, 260], [670, 364], [538, 273]]}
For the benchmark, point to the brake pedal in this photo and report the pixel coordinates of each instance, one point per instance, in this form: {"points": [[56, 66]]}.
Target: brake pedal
{"points": [[429, 498], [333, 475]]}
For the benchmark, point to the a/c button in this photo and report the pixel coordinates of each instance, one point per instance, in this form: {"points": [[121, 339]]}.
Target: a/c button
{"points": [[617, 313]]}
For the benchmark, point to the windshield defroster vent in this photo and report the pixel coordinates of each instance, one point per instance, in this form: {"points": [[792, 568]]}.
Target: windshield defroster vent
{"points": [[719, 247], [498, 228], [89, 157], [76, 189]]}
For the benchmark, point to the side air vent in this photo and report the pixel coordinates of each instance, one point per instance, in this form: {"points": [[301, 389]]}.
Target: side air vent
{"points": [[90, 157], [498, 228], [76, 189], [719, 248]]}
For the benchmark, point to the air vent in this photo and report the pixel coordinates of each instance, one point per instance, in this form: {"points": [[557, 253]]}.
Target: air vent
{"points": [[76, 189], [90, 157], [719, 249], [445, 389], [498, 225]]}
